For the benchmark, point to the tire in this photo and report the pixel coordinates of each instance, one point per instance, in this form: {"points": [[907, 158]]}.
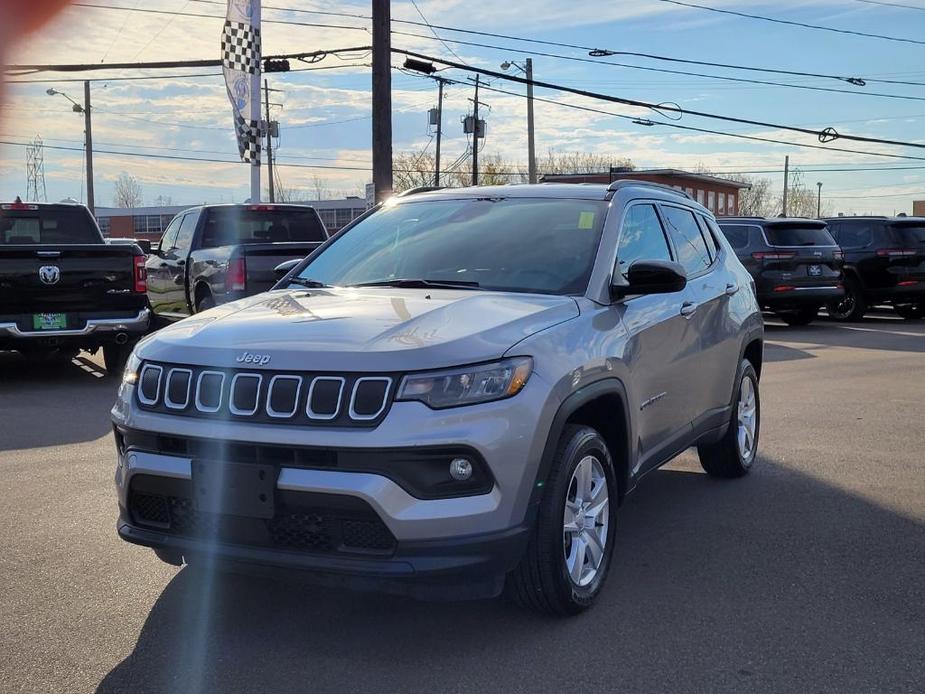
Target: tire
{"points": [[728, 457], [801, 316], [205, 302], [169, 556], [852, 306], [542, 581], [911, 311], [115, 356]]}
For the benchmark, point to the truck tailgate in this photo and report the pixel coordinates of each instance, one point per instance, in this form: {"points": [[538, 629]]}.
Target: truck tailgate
{"points": [[262, 258], [67, 279]]}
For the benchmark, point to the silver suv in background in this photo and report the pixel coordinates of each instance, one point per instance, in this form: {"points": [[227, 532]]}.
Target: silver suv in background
{"points": [[451, 397]]}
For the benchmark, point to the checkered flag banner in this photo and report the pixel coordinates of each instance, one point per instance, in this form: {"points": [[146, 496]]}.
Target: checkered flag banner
{"points": [[241, 66], [248, 132]]}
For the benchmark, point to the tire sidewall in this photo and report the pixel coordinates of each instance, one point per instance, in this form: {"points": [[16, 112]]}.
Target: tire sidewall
{"points": [[746, 370], [584, 441]]}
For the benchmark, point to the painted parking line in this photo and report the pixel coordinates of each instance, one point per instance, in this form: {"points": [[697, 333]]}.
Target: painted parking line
{"points": [[901, 333]]}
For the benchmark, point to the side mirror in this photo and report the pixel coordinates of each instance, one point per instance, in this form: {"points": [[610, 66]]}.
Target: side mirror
{"points": [[155, 248], [283, 268], [144, 245], [649, 277]]}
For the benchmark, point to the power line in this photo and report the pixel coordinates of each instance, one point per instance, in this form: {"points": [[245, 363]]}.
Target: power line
{"points": [[724, 78], [593, 50], [793, 23], [433, 31], [825, 135], [159, 31], [892, 4]]}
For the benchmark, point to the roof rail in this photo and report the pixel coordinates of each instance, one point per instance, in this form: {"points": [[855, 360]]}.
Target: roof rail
{"points": [[419, 189], [627, 182]]}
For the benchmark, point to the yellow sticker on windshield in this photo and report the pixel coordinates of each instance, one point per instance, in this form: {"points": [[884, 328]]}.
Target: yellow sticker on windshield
{"points": [[586, 220]]}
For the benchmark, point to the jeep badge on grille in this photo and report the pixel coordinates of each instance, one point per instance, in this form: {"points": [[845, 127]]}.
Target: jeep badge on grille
{"points": [[251, 358]]}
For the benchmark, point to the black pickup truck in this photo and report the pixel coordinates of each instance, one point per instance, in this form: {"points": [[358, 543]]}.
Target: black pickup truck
{"points": [[217, 253], [63, 288]]}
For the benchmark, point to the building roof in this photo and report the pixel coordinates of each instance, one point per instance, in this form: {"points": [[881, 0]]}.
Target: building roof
{"points": [[677, 173], [352, 202]]}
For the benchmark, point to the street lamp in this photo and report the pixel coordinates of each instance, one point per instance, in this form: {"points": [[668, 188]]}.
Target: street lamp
{"points": [[88, 135], [527, 69], [819, 200]]}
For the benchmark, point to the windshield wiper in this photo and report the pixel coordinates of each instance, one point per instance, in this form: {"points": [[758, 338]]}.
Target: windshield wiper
{"points": [[420, 284], [305, 282]]}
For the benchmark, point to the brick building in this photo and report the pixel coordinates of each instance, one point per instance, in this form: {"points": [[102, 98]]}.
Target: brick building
{"points": [[719, 195], [918, 208]]}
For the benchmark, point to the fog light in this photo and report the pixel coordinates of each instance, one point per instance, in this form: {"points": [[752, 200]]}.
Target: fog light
{"points": [[460, 469]]}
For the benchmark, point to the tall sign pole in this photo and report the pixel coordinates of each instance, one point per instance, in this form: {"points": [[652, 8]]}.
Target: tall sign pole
{"points": [[382, 99], [241, 56]]}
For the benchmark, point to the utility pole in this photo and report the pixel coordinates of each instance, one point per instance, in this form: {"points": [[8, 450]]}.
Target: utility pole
{"points": [[266, 92], [786, 184], [382, 100], [531, 145], [88, 143], [440, 81], [475, 135], [819, 200]]}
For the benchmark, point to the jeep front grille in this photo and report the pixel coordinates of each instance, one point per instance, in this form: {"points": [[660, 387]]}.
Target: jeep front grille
{"points": [[266, 396]]}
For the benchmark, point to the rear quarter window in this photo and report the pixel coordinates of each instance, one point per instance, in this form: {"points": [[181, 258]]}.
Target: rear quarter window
{"points": [[736, 234], [798, 236]]}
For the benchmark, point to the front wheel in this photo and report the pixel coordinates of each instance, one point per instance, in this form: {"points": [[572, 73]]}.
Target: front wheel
{"points": [[800, 316], [910, 311], [115, 357], [569, 552], [735, 453]]}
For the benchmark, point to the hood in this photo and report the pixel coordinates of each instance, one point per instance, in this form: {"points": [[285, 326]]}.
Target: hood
{"points": [[376, 329]]}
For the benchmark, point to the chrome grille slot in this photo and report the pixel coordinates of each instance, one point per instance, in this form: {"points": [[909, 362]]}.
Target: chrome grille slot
{"points": [[209, 388], [244, 399], [283, 396], [324, 396], [149, 384], [177, 390], [369, 397]]}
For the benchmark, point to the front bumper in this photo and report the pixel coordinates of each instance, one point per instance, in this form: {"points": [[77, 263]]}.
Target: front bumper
{"points": [[93, 328]]}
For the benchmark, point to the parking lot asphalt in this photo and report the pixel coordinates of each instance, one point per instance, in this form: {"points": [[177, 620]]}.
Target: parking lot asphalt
{"points": [[806, 575]]}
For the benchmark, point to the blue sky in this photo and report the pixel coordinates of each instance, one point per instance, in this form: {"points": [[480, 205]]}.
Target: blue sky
{"points": [[325, 114]]}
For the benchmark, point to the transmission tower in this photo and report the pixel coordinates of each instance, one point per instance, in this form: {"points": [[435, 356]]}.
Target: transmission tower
{"points": [[35, 171]]}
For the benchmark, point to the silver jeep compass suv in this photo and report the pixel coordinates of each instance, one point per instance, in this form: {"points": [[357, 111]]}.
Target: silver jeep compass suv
{"points": [[451, 397]]}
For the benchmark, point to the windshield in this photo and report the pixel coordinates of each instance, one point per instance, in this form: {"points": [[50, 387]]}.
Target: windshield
{"points": [[48, 225], [522, 245], [230, 226], [798, 235]]}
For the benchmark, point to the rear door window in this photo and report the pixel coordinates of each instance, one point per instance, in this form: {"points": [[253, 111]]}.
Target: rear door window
{"points": [[688, 241], [185, 234], [231, 226], [712, 247], [854, 236], [790, 235], [48, 225]]}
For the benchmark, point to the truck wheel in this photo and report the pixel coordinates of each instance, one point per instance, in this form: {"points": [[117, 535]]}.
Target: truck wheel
{"points": [[800, 316], [569, 551], [735, 453], [910, 311], [115, 356], [852, 306], [204, 302]]}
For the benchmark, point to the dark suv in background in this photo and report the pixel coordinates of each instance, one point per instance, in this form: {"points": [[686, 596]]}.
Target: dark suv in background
{"points": [[796, 264], [884, 263]]}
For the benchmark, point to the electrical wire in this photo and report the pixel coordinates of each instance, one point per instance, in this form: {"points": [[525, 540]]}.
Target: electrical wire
{"points": [[793, 23], [433, 31], [159, 31], [892, 4]]}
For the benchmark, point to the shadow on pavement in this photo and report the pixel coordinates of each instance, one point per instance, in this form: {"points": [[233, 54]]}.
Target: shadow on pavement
{"points": [[775, 582], [880, 334], [74, 397], [775, 352]]}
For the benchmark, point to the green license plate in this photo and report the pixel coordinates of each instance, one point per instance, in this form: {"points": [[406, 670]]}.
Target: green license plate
{"points": [[49, 321]]}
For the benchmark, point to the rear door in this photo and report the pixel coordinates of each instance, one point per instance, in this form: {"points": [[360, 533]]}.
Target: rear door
{"points": [[659, 344], [159, 273]]}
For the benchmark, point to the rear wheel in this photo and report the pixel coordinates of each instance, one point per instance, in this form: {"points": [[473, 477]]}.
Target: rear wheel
{"points": [[735, 453], [204, 302], [852, 306], [911, 310], [800, 316], [115, 356], [569, 551]]}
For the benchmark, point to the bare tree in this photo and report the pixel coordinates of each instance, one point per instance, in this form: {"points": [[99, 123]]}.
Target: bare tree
{"points": [[801, 200], [163, 201], [580, 162], [286, 193], [320, 187], [127, 191], [756, 200]]}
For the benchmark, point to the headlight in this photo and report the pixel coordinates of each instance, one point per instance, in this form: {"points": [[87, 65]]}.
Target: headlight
{"points": [[467, 385], [132, 366]]}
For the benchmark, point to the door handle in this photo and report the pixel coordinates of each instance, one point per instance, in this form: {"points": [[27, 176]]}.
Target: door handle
{"points": [[181, 263], [731, 288], [163, 265], [688, 309]]}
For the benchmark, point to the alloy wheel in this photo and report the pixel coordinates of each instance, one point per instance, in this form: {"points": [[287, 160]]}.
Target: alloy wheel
{"points": [[585, 521], [747, 416]]}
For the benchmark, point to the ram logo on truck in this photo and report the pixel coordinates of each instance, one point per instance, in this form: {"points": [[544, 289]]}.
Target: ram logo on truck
{"points": [[49, 274]]}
